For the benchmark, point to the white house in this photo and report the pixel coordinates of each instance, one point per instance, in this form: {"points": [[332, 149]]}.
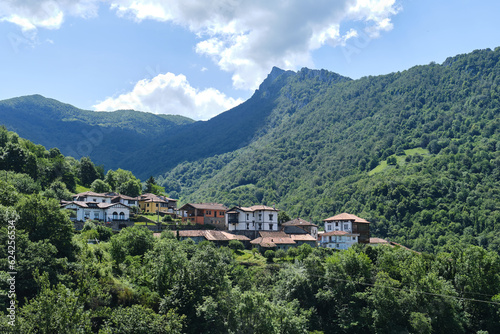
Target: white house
{"points": [[107, 212], [338, 239], [95, 206], [254, 218]]}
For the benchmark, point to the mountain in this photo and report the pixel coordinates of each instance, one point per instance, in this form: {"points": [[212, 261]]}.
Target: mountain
{"points": [[416, 152], [107, 137]]}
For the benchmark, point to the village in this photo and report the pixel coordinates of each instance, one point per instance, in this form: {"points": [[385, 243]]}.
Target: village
{"points": [[256, 226]]}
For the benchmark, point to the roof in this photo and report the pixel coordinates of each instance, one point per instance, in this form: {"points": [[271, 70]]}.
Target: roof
{"points": [[212, 235], [298, 222], [327, 234], [273, 241], [254, 208], [302, 237], [94, 204], [148, 197], [126, 197], [205, 206], [378, 241], [273, 234], [346, 217], [91, 193]]}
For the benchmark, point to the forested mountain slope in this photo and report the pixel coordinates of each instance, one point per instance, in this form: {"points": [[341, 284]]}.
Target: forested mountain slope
{"points": [[107, 137], [317, 150]]}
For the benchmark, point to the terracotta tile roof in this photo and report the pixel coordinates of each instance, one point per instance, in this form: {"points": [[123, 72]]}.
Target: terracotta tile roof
{"points": [[378, 241], [148, 197], [91, 193], [254, 208], [302, 237], [205, 206], [298, 222], [94, 204], [212, 235], [126, 197], [345, 217], [272, 242]]}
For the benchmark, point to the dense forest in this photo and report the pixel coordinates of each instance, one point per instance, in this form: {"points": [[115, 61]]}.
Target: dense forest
{"points": [[55, 281]]}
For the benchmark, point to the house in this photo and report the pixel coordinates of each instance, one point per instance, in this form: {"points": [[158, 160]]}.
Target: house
{"points": [[338, 239], [296, 225], [204, 213], [151, 203], [220, 238], [124, 199], [107, 212], [351, 224], [273, 240], [254, 218]]}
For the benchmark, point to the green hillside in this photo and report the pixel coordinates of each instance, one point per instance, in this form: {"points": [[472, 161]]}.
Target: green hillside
{"points": [[107, 137], [415, 152]]}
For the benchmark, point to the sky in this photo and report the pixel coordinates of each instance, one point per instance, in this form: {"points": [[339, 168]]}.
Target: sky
{"points": [[200, 58]]}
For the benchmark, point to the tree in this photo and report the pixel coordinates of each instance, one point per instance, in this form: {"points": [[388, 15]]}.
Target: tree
{"points": [[42, 219], [87, 172], [236, 245], [99, 186], [54, 310], [138, 319], [131, 241], [283, 217], [130, 188]]}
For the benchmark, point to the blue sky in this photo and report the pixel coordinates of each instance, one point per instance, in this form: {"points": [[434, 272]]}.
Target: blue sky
{"points": [[199, 58]]}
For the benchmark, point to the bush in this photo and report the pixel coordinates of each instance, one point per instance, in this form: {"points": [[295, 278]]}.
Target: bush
{"points": [[236, 245], [269, 255]]}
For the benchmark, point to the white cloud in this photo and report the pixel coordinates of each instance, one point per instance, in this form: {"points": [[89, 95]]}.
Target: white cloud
{"points": [[171, 94], [248, 37], [48, 14]]}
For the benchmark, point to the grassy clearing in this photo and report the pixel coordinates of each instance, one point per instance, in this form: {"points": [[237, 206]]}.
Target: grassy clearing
{"points": [[81, 189], [382, 166], [246, 257]]}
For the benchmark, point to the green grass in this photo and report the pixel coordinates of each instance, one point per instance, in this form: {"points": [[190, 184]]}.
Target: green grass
{"points": [[81, 189], [419, 150], [248, 258], [382, 166]]}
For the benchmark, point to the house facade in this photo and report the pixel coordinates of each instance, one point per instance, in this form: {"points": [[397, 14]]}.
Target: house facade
{"points": [[204, 213], [97, 206], [151, 203], [254, 218], [107, 212], [344, 230]]}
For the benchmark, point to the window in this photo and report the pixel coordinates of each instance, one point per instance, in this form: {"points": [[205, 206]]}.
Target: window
{"points": [[156, 204], [329, 227], [260, 216], [96, 215], [147, 205], [271, 217], [209, 212], [103, 200], [346, 226], [248, 216], [270, 226], [95, 200], [353, 238], [260, 226], [336, 224], [115, 215], [248, 226], [87, 214], [122, 216]]}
